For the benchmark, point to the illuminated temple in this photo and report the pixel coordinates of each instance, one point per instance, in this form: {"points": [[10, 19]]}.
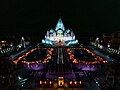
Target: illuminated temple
{"points": [[60, 35]]}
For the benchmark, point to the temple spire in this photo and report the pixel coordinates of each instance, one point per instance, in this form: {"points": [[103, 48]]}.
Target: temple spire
{"points": [[60, 25]]}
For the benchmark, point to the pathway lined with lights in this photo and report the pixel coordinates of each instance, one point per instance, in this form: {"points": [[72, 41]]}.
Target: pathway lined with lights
{"points": [[60, 56], [19, 53], [60, 62], [58, 67]]}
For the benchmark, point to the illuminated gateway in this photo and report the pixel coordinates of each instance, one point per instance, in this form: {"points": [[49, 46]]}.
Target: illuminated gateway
{"points": [[60, 36]]}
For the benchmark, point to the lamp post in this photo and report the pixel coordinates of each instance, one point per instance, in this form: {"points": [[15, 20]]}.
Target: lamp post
{"points": [[97, 41], [23, 42], [0, 47], [11, 45]]}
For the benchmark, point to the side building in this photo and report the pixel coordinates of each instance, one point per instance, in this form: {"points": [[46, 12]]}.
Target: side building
{"points": [[112, 39]]}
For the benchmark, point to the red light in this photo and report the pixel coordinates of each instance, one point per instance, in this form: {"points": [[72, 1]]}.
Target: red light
{"points": [[44, 61], [104, 61], [36, 61]]}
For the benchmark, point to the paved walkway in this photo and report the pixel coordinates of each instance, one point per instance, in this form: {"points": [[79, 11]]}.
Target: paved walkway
{"points": [[102, 55], [15, 55]]}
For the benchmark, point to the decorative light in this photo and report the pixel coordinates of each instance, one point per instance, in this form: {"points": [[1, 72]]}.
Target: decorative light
{"points": [[80, 82], [22, 38], [40, 82], [45, 82], [70, 82], [50, 82], [75, 82]]}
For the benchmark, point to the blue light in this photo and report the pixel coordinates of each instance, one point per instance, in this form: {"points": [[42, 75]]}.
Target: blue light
{"points": [[59, 31], [81, 52], [60, 25]]}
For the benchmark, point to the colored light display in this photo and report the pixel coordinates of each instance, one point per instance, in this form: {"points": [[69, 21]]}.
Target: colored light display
{"points": [[53, 37]]}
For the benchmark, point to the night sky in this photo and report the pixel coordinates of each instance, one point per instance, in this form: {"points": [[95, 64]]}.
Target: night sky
{"points": [[38, 16]]}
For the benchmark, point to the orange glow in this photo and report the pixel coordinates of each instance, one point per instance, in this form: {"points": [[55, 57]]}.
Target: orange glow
{"points": [[51, 49], [32, 50], [28, 63], [75, 82], [40, 82], [45, 82], [36, 61], [68, 49], [44, 61], [50, 52], [60, 81], [50, 82], [69, 53], [70, 82], [80, 82]]}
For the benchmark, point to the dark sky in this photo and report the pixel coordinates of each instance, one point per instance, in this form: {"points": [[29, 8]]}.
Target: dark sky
{"points": [[41, 15]]}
